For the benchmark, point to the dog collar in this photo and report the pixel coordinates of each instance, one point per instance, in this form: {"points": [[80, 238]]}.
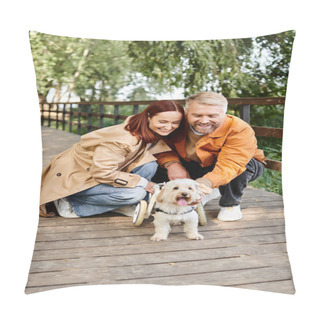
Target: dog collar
{"points": [[175, 213]]}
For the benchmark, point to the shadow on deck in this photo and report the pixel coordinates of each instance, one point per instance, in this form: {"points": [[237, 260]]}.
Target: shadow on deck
{"points": [[108, 249]]}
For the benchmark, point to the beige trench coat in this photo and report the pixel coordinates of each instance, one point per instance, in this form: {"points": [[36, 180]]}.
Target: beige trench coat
{"points": [[103, 156]]}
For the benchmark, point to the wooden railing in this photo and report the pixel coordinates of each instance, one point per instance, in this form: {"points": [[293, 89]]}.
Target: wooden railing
{"points": [[82, 115]]}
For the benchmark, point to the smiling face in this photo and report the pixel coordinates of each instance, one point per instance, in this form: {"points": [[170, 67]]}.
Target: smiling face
{"points": [[163, 123], [180, 192], [204, 118]]}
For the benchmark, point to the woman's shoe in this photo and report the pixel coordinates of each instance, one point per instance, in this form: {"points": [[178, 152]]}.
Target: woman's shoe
{"points": [[64, 208]]}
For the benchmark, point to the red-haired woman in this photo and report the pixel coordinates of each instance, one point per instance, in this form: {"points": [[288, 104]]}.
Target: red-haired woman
{"points": [[110, 169]]}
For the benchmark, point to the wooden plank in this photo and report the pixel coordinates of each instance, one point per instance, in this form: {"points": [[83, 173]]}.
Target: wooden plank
{"points": [[128, 267], [223, 278], [224, 272], [111, 233], [144, 259], [249, 220], [144, 239], [103, 251], [259, 101], [231, 101], [117, 222], [274, 165], [245, 113], [268, 132], [125, 226]]}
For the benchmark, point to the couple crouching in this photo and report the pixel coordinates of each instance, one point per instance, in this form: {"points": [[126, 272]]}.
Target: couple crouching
{"points": [[117, 168]]}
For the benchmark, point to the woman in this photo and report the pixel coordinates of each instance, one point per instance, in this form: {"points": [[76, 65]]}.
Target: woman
{"points": [[110, 169]]}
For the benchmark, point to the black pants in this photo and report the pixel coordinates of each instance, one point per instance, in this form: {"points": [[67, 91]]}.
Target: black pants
{"points": [[232, 192]]}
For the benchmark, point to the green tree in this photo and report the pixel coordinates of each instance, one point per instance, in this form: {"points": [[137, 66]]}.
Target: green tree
{"points": [[235, 67], [192, 65], [100, 69], [92, 69]]}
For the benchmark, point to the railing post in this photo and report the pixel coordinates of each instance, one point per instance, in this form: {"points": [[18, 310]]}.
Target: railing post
{"points": [[49, 115], [79, 120], [135, 109], [101, 110], [64, 117], [42, 116], [245, 113], [71, 118], [116, 114], [89, 123], [57, 116]]}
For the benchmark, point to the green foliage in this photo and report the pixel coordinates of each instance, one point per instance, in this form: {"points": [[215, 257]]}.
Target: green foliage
{"points": [[193, 65], [101, 69], [269, 181], [91, 69]]}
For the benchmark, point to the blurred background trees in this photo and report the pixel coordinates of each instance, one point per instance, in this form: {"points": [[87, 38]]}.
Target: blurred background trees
{"points": [[91, 69]]}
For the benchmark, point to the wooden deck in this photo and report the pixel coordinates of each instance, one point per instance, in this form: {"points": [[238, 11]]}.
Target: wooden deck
{"points": [[108, 249]]}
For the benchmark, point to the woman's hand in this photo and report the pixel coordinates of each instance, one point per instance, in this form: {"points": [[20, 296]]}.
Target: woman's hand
{"points": [[150, 187]]}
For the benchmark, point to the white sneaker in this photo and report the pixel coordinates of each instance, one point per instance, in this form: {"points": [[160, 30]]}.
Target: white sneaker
{"points": [[230, 213], [126, 211], [64, 208], [215, 193]]}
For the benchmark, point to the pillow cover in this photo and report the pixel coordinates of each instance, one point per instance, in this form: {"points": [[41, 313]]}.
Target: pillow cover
{"points": [[87, 84]]}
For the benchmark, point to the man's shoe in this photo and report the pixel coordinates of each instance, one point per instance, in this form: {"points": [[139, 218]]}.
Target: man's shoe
{"points": [[64, 208], [230, 213], [201, 214], [215, 193]]}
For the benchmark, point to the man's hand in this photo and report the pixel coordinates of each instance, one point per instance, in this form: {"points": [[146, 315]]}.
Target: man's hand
{"points": [[177, 171]]}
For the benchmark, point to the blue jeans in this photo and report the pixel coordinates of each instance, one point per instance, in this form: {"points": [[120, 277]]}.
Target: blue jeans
{"points": [[103, 197]]}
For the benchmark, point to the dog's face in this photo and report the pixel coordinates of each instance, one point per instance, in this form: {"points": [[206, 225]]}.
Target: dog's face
{"points": [[182, 192]]}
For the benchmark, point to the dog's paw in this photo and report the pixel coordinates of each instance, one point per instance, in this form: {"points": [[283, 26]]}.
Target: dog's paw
{"points": [[195, 236], [157, 237]]}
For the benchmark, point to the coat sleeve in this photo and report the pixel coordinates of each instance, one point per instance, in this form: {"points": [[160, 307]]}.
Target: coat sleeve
{"points": [[236, 152], [165, 157], [106, 163]]}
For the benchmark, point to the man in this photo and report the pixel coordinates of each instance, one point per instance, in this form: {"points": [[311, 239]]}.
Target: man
{"points": [[219, 150]]}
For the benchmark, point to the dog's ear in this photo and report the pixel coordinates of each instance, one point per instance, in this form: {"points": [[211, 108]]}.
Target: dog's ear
{"points": [[160, 195], [203, 188]]}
